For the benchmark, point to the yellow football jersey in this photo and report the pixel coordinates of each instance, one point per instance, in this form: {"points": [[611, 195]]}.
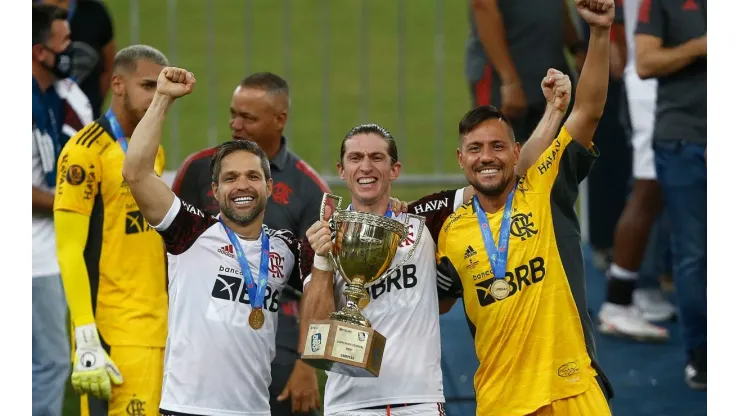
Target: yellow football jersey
{"points": [[531, 345], [125, 258]]}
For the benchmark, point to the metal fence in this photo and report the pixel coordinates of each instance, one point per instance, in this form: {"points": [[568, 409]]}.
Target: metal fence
{"points": [[324, 9]]}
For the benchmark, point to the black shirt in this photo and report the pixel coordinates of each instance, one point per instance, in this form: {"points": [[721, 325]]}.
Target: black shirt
{"points": [[535, 34], [92, 29], [681, 110]]}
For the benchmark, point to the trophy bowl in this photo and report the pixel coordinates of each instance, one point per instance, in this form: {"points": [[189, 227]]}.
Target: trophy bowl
{"points": [[364, 246]]}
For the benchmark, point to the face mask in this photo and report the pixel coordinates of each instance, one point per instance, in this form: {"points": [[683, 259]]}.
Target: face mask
{"points": [[62, 63]]}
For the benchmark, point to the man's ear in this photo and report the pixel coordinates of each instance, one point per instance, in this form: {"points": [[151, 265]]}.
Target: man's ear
{"points": [[214, 188], [117, 84], [459, 158], [395, 170], [340, 170]]}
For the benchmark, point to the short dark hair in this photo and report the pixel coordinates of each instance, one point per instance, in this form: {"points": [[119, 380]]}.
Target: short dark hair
{"points": [[478, 116], [43, 17], [127, 57], [370, 129], [232, 146], [267, 81]]}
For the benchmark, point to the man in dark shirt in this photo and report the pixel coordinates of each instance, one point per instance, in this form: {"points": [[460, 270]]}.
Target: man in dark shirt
{"points": [[259, 111], [671, 45], [511, 44], [93, 45]]}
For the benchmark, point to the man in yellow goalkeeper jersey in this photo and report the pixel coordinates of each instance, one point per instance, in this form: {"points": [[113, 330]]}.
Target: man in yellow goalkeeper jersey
{"points": [[112, 263]]}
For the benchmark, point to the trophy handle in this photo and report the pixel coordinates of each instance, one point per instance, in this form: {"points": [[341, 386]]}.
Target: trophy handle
{"points": [[322, 211], [422, 221], [323, 204]]}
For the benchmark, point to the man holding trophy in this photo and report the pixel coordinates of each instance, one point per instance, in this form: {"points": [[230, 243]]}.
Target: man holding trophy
{"points": [[395, 321]]}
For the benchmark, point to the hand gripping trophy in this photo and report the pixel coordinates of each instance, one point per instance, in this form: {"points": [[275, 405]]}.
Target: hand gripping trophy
{"points": [[363, 248]]}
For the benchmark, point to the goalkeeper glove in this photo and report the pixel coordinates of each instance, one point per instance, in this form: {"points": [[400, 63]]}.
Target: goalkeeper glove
{"points": [[93, 369]]}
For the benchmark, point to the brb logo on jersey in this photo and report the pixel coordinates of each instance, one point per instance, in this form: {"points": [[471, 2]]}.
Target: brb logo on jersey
{"points": [[522, 276], [230, 299]]}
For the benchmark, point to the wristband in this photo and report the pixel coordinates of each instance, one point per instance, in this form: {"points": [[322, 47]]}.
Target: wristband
{"points": [[322, 263], [87, 336]]}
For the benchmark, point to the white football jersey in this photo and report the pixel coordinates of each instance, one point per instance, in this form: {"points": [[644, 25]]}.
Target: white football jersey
{"points": [[215, 363], [404, 308]]}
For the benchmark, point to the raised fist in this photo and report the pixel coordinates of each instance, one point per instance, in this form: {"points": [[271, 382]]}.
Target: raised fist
{"points": [[175, 82], [556, 88], [597, 13]]}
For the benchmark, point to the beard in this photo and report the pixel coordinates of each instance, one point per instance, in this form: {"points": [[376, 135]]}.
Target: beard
{"points": [[492, 189], [246, 218]]}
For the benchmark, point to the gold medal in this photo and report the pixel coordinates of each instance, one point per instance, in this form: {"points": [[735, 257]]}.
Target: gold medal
{"points": [[500, 289], [256, 318]]}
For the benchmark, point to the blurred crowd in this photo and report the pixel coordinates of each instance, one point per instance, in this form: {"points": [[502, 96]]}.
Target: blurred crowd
{"points": [[647, 193]]}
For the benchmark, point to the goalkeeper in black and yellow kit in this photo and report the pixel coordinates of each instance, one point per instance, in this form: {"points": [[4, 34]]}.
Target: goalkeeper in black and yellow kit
{"points": [[113, 264], [513, 254]]}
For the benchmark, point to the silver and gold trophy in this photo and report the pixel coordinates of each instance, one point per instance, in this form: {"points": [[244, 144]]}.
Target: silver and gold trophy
{"points": [[363, 248]]}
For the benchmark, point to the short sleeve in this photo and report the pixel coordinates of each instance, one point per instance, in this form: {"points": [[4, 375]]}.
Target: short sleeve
{"points": [[541, 176], [78, 179], [449, 284], [182, 225], [650, 20], [435, 208], [619, 12]]}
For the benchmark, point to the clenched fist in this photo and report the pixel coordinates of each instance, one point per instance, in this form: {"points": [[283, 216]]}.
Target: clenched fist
{"points": [[556, 87], [175, 82], [597, 13]]}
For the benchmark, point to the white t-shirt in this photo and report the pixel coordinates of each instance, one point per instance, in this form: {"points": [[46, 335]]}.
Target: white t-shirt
{"points": [[215, 363], [405, 309], [637, 89], [43, 239]]}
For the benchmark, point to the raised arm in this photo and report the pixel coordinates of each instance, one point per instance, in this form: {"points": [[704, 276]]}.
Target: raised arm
{"points": [[151, 193], [556, 87], [594, 81], [492, 34], [652, 58]]}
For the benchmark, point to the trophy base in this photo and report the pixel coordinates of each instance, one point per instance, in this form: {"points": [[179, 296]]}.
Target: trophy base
{"points": [[344, 348]]}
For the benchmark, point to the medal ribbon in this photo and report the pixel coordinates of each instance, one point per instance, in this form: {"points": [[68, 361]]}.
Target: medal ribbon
{"points": [[496, 257], [388, 211], [117, 130], [256, 291]]}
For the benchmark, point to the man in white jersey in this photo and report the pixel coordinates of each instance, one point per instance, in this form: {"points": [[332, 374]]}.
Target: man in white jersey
{"points": [[226, 273], [402, 307]]}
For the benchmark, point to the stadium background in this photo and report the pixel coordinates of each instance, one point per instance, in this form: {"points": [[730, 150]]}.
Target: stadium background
{"points": [[399, 63]]}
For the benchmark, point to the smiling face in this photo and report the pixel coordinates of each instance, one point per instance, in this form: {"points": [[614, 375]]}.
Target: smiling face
{"points": [[488, 155], [241, 188], [368, 168]]}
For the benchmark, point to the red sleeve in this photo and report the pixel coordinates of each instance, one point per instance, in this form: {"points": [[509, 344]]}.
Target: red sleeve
{"points": [[650, 20]]}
